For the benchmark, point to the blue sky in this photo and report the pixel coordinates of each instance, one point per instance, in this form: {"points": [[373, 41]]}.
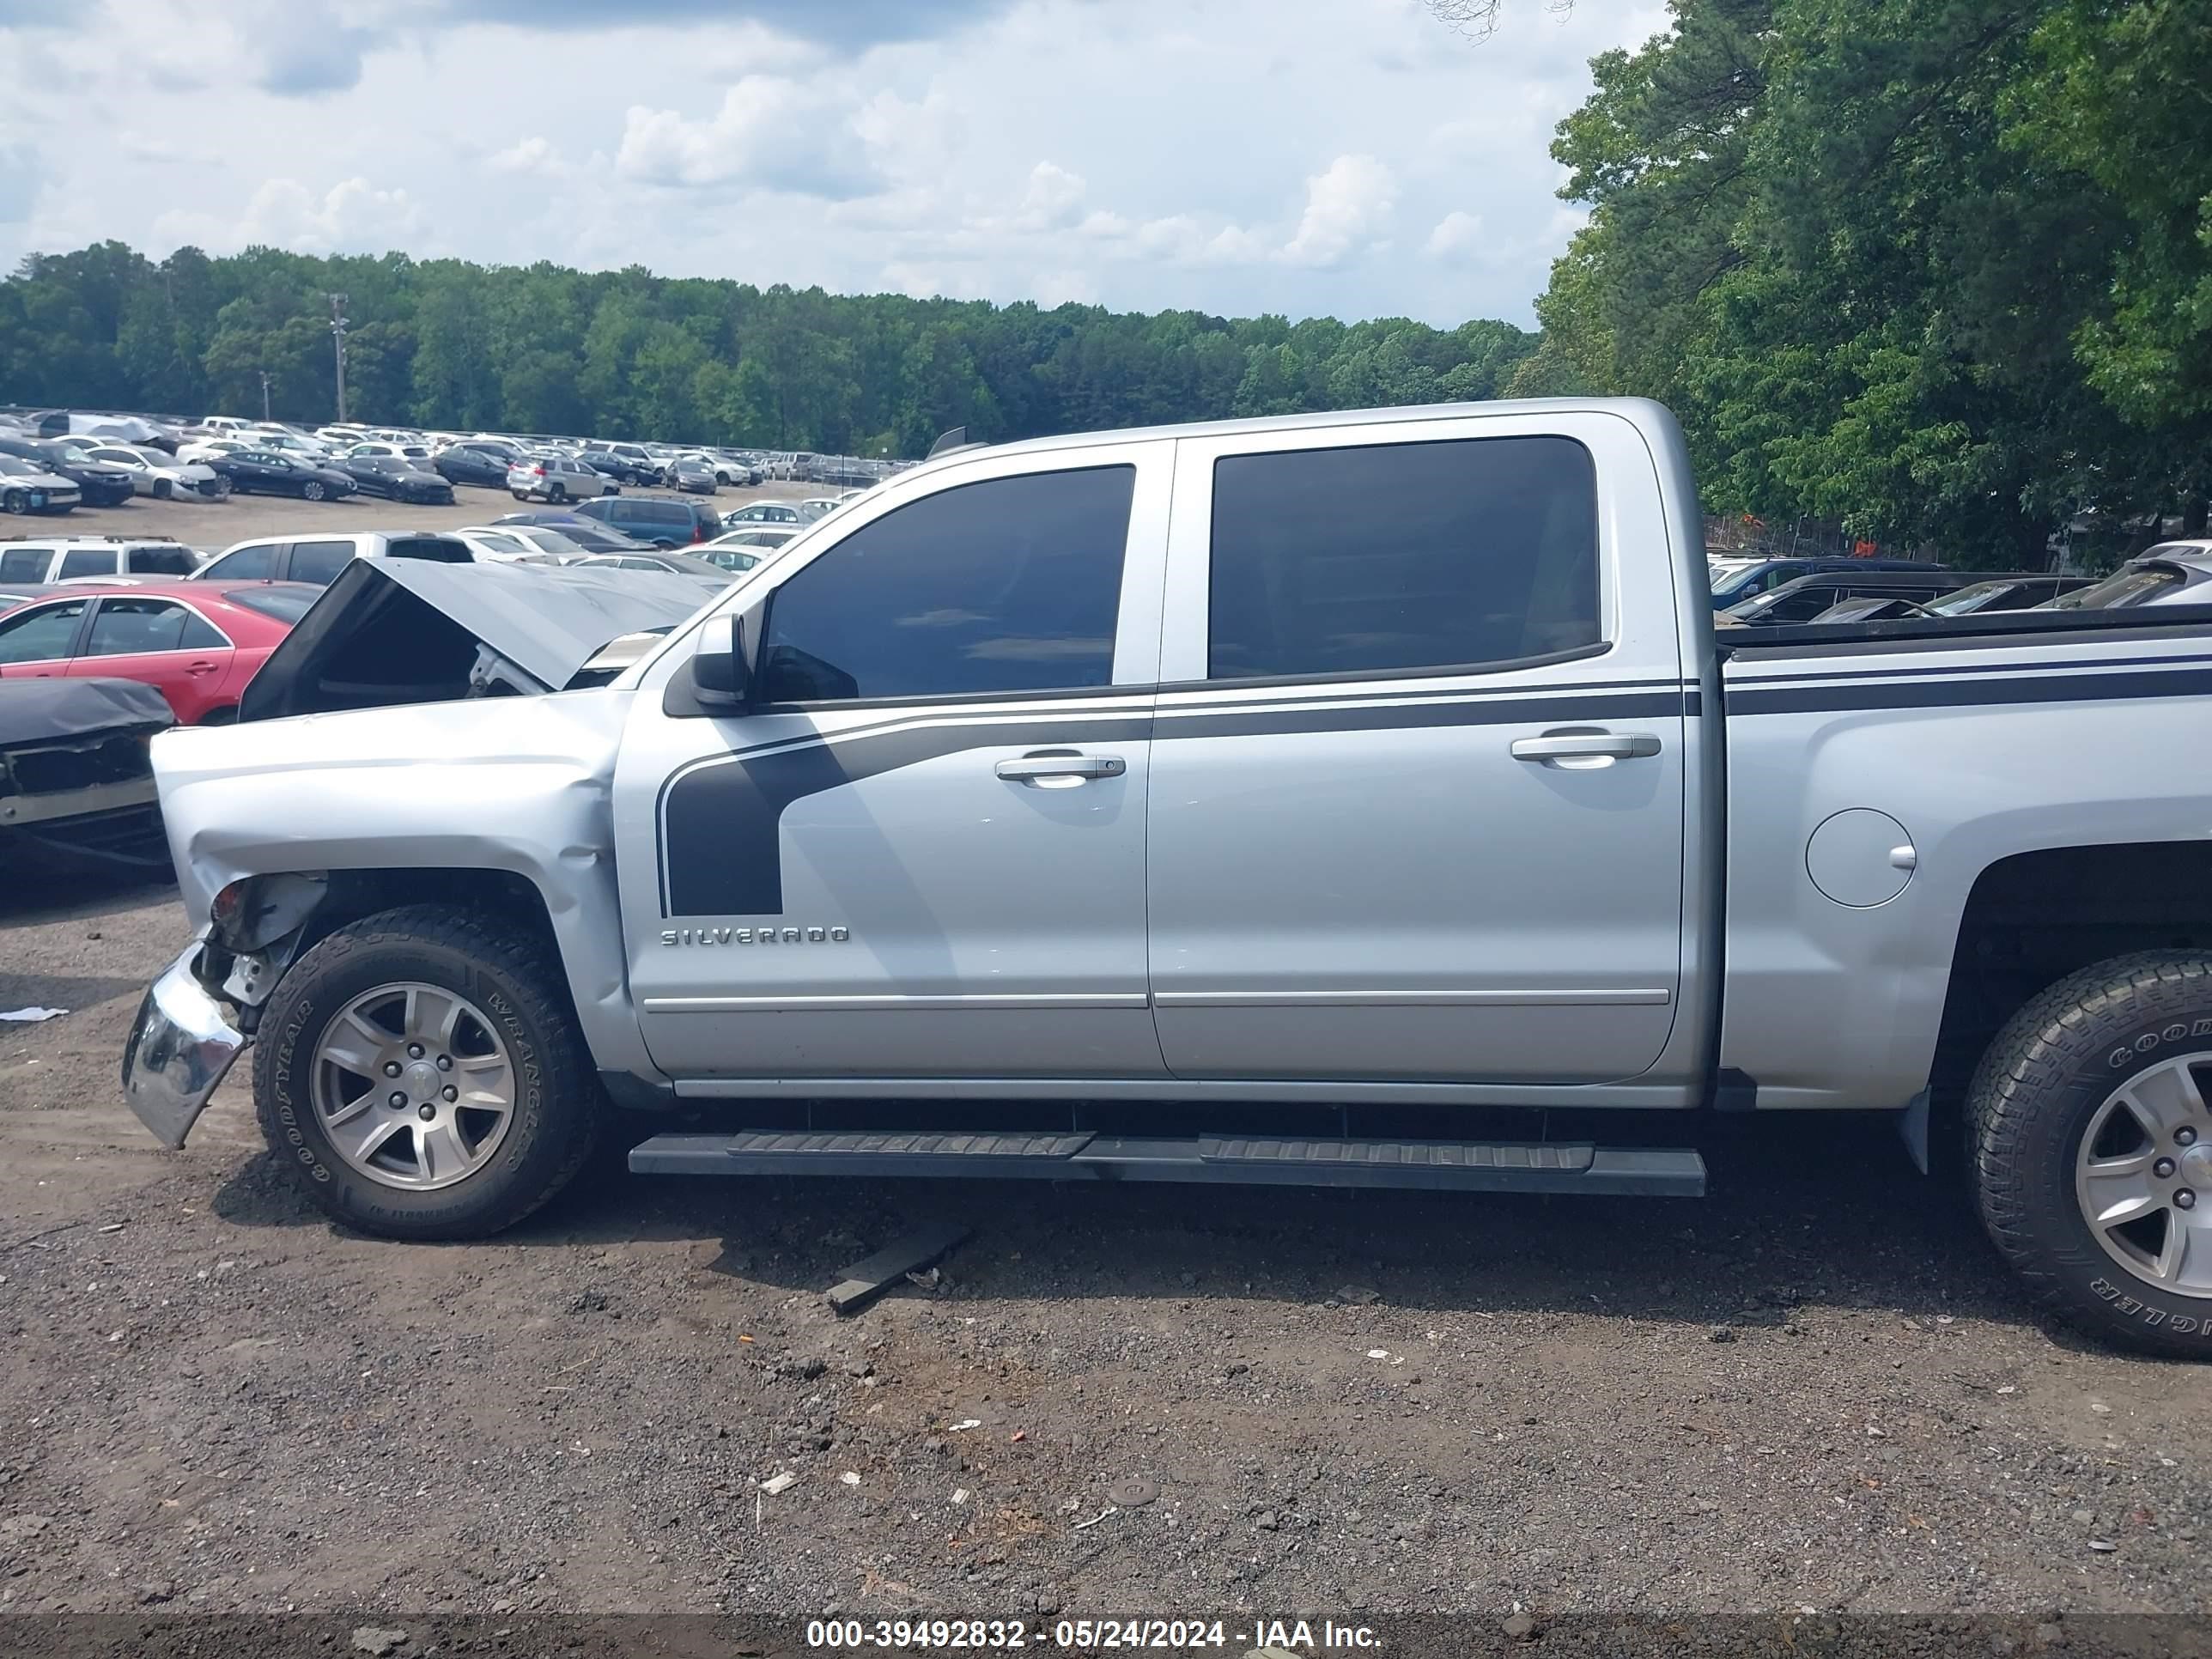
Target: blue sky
{"points": [[1351, 157]]}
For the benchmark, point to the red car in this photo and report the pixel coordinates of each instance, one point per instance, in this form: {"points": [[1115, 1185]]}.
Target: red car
{"points": [[199, 642]]}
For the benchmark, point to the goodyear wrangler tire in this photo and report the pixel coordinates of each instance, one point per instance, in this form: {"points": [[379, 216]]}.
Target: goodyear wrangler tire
{"points": [[421, 1072], [2093, 1150]]}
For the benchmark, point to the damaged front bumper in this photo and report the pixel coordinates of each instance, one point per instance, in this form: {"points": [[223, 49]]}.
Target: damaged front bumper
{"points": [[180, 1050]]}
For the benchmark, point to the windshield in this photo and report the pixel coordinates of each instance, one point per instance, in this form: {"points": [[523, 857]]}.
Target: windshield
{"points": [[2134, 584], [16, 469], [1967, 599]]}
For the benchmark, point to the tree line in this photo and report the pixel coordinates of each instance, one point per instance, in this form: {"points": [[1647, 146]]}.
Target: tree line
{"points": [[451, 345], [1938, 271]]}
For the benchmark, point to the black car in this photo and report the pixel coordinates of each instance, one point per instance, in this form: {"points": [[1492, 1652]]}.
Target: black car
{"points": [[474, 463], [99, 484], [1805, 599], [1733, 583], [693, 476], [661, 520], [613, 466], [395, 478], [270, 473]]}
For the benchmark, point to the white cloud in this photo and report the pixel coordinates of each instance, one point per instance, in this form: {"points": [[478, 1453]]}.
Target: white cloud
{"points": [[1456, 237], [1346, 206], [1053, 200], [527, 156], [351, 216], [771, 133]]}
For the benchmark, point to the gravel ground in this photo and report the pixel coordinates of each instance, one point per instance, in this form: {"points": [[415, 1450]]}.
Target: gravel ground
{"points": [[1816, 1389], [214, 526]]}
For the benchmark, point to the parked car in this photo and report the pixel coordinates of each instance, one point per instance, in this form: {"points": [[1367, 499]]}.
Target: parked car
{"points": [[690, 475], [98, 558], [659, 521], [758, 513], [735, 560], [417, 456], [555, 478], [627, 464], [756, 538], [97, 483], [1996, 593], [1357, 819], [815, 507], [588, 534], [162, 476], [1735, 582], [2172, 573], [198, 644], [1802, 599], [731, 468], [31, 487], [395, 479], [210, 449], [492, 546], [671, 562], [266, 472], [318, 559], [474, 462]]}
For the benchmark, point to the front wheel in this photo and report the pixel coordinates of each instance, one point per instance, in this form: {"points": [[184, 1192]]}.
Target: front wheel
{"points": [[17, 502], [421, 1072], [163, 489], [2092, 1149], [312, 491]]}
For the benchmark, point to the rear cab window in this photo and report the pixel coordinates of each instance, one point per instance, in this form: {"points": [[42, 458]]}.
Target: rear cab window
{"points": [[161, 561]]}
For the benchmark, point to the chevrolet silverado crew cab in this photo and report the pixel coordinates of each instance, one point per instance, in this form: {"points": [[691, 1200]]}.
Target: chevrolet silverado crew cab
{"points": [[1154, 805]]}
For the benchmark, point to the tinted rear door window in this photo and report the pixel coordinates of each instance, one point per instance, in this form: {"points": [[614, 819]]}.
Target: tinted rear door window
{"points": [[1008, 584], [24, 564], [128, 628], [1401, 556], [319, 562], [161, 561], [248, 564], [87, 562]]}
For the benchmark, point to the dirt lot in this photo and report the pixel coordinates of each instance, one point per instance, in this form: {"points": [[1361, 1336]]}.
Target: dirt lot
{"points": [[213, 525], [1816, 1389]]}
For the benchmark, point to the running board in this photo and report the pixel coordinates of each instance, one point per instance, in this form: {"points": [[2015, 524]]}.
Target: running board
{"points": [[1456, 1165]]}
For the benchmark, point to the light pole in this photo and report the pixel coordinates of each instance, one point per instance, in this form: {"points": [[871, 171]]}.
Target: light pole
{"points": [[265, 396], [337, 341]]}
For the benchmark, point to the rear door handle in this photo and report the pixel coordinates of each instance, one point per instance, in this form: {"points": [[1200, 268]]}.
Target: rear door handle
{"points": [[1061, 766], [1587, 748]]}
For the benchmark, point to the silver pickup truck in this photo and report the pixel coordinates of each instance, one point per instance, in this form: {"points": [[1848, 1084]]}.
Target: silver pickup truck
{"points": [[1339, 800]]}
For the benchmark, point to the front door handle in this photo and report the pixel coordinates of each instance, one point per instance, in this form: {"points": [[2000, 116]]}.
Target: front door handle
{"points": [[1060, 767], [1584, 749]]}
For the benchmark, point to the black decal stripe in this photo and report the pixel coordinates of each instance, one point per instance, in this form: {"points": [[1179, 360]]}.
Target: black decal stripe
{"points": [[2037, 665], [720, 841], [721, 818], [2038, 688], [1489, 711]]}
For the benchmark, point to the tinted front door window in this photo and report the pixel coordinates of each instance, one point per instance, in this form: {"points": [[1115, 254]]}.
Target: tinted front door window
{"points": [[1009, 584]]}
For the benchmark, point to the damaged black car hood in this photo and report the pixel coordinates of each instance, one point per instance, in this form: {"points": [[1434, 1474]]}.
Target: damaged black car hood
{"points": [[416, 630], [47, 711]]}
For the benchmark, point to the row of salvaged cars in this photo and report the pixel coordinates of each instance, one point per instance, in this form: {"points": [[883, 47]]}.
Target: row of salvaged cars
{"points": [[59, 461], [1768, 593]]}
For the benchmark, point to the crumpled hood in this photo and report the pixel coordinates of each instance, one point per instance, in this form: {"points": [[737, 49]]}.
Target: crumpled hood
{"points": [[41, 711], [415, 630]]}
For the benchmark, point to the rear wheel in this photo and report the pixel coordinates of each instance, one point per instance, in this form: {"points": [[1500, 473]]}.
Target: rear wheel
{"points": [[2092, 1149], [422, 1073], [557, 494]]}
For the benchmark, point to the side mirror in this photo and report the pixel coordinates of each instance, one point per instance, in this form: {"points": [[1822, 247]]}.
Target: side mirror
{"points": [[721, 676]]}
